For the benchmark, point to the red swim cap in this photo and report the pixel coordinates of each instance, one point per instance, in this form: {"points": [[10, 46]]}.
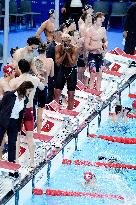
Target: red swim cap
{"points": [[134, 104], [88, 176], [8, 69]]}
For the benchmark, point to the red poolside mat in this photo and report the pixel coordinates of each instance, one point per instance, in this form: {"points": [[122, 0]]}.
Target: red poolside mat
{"points": [[41, 137], [118, 51], [69, 112], [9, 165], [93, 91], [115, 67], [110, 72]]}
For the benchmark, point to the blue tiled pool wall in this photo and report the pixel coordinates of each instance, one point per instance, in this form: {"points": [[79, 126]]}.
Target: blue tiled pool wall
{"points": [[43, 177]]}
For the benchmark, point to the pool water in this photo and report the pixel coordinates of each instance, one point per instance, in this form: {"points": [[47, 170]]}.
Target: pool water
{"points": [[108, 180]]}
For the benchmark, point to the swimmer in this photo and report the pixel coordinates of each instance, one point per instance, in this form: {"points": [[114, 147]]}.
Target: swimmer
{"points": [[120, 113], [48, 27], [93, 43], [26, 53], [113, 160], [90, 179]]}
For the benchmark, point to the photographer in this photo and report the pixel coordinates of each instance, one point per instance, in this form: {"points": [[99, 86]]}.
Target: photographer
{"points": [[66, 56]]}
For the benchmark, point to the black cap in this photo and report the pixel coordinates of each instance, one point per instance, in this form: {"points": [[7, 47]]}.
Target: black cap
{"points": [[69, 22], [51, 11], [87, 6]]}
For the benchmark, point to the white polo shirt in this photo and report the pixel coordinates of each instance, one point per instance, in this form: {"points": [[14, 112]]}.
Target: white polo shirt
{"points": [[18, 106], [76, 3]]}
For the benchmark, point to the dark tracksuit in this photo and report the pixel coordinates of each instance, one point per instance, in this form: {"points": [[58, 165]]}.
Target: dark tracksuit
{"points": [[72, 12], [50, 53], [12, 126], [130, 27]]}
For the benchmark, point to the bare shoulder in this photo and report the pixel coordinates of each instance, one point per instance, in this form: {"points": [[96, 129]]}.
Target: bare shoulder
{"points": [[44, 23], [1, 80], [58, 47], [75, 49], [18, 52], [14, 80]]}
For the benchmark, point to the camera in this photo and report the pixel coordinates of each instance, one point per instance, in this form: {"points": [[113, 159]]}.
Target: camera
{"points": [[65, 45]]}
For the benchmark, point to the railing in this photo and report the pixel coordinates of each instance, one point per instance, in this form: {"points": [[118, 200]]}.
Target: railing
{"points": [[45, 169]]}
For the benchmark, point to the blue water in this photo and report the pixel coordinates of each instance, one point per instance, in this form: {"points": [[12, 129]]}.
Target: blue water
{"points": [[71, 177]]}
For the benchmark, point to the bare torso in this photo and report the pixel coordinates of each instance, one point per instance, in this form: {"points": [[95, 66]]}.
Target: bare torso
{"points": [[96, 35]]}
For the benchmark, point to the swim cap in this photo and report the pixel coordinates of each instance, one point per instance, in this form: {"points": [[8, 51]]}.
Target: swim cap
{"points": [[8, 69], [134, 104], [86, 7], [88, 176], [51, 11], [69, 22]]}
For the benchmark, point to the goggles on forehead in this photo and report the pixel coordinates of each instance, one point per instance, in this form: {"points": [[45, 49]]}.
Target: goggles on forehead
{"points": [[69, 22], [86, 7], [51, 11]]}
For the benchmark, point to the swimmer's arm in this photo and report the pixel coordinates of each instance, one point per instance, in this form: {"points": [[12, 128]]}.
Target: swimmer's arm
{"points": [[52, 69], [58, 57], [112, 118], [105, 41], [41, 29], [117, 99], [13, 84], [40, 84]]}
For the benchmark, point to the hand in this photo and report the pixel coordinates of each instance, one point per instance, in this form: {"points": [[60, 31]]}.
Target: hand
{"points": [[41, 78], [125, 33], [66, 49], [63, 10]]}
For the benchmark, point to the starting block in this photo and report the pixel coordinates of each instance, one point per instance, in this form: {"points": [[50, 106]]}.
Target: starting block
{"points": [[54, 106], [48, 126], [45, 142], [8, 170], [69, 112], [111, 72], [80, 86], [6, 166], [42, 137], [118, 51], [115, 67]]}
